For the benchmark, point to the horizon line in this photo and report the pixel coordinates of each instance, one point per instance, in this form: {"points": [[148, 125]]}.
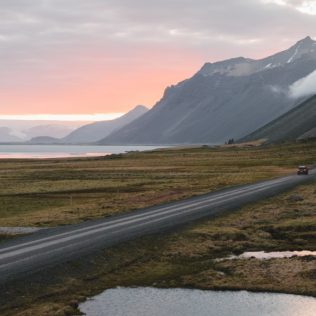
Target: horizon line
{"points": [[95, 117]]}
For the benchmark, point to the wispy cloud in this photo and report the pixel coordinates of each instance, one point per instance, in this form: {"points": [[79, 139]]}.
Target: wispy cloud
{"points": [[304, 87], [303, 6]]}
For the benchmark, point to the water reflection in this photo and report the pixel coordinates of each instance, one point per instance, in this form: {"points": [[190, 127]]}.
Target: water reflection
{"points": [[48, 155], [65, 151], [275, 254], [184, 302]]}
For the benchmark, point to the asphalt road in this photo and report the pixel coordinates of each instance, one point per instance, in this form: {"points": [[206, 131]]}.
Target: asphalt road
{"points": [[27, 255]]}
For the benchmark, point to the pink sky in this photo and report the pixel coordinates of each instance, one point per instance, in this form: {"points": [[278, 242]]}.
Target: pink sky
{"points": [[97, 86], [67, 57]]}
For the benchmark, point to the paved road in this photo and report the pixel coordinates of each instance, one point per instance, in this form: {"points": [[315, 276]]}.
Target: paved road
{"points": [[46, 248]]}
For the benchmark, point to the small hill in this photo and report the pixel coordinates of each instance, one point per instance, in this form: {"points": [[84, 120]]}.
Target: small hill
{"points": [[94, 132], [298, 123], [44, 140], [51, 130]]}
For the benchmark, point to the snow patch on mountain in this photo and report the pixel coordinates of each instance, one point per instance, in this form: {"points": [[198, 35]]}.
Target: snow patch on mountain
{"points": [[293, 56]]}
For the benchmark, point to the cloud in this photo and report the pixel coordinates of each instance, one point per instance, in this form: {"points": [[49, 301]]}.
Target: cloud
{"points": [[75, 44], [304, 87], [45, 25], [303, 6], [307, 7]]}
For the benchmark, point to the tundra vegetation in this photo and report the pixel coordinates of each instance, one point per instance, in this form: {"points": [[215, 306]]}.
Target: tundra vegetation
{"points": [[63, 191], [183, 258]]}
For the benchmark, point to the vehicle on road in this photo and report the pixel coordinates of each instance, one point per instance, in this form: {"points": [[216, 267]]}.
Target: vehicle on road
{"points": [[302, 170]]}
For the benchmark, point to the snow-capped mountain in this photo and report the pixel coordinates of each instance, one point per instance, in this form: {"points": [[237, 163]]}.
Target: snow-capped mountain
{"points": [[240, 66], [226, 99]]}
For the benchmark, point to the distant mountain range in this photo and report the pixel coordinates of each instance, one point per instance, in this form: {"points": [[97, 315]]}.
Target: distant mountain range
{"points": [[299, 123], [51, 130], [239, 98], [97, 131], [7, 135], [224, 100], [24, 130]]}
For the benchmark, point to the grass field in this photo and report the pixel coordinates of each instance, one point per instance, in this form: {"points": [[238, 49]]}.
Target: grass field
{"points": [[61, 191], [185, 258]]}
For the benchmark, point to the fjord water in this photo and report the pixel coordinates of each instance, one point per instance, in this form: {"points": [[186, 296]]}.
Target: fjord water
{"points": [[185, 302], [64, 151]]}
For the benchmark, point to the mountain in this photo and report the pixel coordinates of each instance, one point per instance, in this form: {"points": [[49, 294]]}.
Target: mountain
{"points": [[223, 100], [27, 129], [51, 130], [7, 136], [95, 131], [298, 123], [44, 140]]}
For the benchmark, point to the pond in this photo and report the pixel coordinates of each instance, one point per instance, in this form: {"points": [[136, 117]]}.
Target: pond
{"points": [[272, 255], [186, 302]]}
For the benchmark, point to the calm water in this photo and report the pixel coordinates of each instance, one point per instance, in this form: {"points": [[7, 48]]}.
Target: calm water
{"points": [[184, 302], [274, 254], [59, 151]]}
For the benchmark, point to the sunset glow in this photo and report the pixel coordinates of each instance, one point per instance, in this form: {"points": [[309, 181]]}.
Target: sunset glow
{"points": [[62, 117], [81, 57]]}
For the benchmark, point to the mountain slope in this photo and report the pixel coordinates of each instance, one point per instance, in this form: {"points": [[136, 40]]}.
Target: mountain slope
{"points": [[51, 130], [298, 123], [44, 140], [224, 100], [98, 130]]}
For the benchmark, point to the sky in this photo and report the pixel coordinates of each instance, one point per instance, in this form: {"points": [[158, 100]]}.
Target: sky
{"points": [[100, 58]]}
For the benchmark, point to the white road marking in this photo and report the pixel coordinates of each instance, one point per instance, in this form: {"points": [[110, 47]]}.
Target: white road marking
{"points": [[134, 219], [160, 210], [120, 230]]}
